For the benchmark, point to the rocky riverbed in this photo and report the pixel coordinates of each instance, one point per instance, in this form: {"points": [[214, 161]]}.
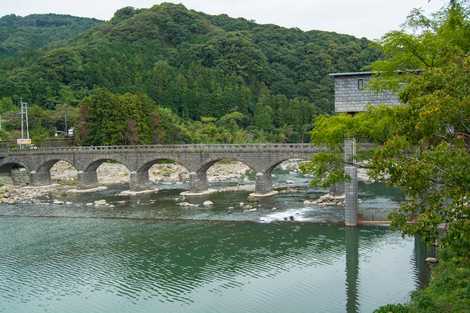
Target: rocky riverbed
{"points": [[112, 173], [10, 194], [64, 177]]}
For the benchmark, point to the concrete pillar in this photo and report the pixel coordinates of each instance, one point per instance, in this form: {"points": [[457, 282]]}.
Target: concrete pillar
{"points": [[337, 189], [352, 269], [351, 186], [264, 183], [40, 178], [87, 179], [198, 182]]}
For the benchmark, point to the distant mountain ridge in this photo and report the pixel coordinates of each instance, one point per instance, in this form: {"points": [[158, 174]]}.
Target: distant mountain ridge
{"points": [[23, 34], [198, 65]]}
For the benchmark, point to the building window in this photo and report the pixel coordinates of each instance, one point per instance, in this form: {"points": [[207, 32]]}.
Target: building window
{"points": [[360, 84]]}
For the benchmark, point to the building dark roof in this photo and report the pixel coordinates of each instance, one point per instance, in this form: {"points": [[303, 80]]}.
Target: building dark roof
{"points": [[369, 73], [352, 74]]}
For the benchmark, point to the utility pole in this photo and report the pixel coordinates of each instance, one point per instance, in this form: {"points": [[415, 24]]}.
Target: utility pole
{"points": [[66, 126], [22, 117], [27, 120], [24, 124]]}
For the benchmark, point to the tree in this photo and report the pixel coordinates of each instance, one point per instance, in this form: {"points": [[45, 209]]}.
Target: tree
{"points": [[110, 119], [424, 144], [263, 117]]}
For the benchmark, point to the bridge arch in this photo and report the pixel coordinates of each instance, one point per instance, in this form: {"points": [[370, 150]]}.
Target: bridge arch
{"points": [[8, 167], [143, 172], [12, 164], [89, 175], [199, 178], [41, 175], [264, 177], [212, 161], [277, 163]]}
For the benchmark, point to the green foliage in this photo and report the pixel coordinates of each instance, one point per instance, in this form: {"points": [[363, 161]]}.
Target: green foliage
{"points": [[129, 119], [195, 64], [393, 308], [448, 291], [22, 35], [423, 147], [424, 143], [6, 105], [109, 119], [263, 117]]}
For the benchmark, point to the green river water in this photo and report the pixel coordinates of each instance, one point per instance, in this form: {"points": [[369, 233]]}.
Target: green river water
{"points": [[147, 254]]}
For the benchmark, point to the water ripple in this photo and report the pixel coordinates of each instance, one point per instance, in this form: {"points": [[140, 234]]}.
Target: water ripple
{"points": [[73, 265]]}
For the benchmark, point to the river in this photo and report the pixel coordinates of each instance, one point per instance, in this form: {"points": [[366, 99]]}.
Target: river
{"points": [[149, 254]]}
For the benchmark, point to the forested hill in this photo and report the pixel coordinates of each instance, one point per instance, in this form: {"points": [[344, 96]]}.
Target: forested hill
{"points": [[26, 34], [202, 67]]}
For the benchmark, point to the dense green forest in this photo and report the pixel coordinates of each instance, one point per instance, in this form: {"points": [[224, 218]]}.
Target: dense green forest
{"points": [[25, 35], [208, 74]]}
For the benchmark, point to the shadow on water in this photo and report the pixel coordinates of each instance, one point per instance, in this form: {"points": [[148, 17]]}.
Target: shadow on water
{"points": [[352, 269]]}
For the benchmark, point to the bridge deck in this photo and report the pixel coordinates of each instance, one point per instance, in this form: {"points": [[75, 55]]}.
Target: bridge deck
{"points": [[172, 148]]}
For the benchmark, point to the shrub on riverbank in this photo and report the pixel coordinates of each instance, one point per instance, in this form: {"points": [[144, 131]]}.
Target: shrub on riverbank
{"points": [[448, 291], [423, 145]]}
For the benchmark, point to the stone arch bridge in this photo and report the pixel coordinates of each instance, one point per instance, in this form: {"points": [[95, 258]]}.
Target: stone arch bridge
{"points": [[197, 159]]}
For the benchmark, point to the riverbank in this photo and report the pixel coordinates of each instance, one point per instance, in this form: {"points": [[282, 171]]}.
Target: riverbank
{"points": [[447, 292]]}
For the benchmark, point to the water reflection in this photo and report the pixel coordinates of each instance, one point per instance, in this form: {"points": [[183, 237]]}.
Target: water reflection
{"points": [[421, 251], [78, 265], [147, 253], [352, 269]]}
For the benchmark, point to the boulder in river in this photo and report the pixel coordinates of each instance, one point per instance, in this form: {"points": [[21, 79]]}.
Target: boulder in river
{"points": [[208, 203], [187, 204], [431, 260], [100, 202], [327, 200]]}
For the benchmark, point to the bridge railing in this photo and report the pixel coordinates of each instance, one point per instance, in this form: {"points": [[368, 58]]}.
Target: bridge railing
{"points": [[170, 148]]}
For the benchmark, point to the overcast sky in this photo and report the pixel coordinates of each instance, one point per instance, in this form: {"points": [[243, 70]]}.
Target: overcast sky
{"points": [[362, 18]]}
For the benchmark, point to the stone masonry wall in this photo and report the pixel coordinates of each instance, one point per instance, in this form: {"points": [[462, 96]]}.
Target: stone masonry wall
{"points": [[349, 98]]}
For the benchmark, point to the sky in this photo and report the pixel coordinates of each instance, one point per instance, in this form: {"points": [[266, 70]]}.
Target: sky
{"points": [[361, 18]]}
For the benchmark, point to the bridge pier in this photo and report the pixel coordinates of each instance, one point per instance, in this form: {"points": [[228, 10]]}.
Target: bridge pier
{"points": [[136, 182], [20, 176], [337, 189], [264, 183], [41, 178], [351, 186], [87, 179], [198, 182], [142, 177]]}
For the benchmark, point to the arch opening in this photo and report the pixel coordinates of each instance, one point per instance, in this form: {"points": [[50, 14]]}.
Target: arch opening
{"points": [[63, 172], [287, 172], [108, 172], [228, 170], [163, 171], [14, 173]]}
